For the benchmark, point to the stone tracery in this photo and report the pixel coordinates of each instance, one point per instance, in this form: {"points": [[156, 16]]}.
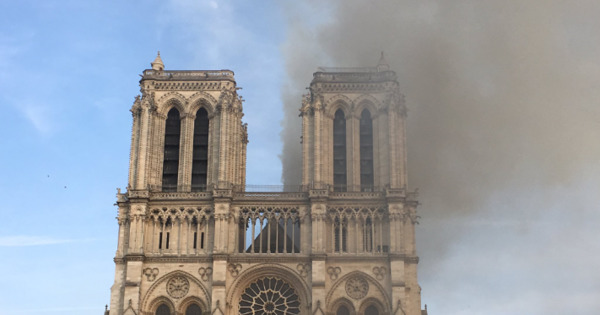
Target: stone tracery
{"points": [[269, 296]]}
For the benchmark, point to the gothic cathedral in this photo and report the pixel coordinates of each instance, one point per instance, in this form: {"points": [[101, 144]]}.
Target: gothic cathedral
{"points": [[194, 239]]}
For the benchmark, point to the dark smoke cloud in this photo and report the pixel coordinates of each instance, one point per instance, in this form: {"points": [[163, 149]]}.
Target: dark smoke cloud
{"points": [[502, 97]]}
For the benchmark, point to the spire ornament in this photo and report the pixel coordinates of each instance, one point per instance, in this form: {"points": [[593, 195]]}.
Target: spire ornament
{"points": [[158, 64]]}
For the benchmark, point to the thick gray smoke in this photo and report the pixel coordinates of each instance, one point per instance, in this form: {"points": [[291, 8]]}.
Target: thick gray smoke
{"points": [[502, 97]]}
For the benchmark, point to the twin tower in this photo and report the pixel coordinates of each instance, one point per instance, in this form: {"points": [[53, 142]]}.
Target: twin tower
{"points": [[194, 239]]}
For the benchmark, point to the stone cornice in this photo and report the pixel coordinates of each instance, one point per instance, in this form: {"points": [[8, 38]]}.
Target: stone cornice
{"points": [[412, 259], [358, 257], [187, 86], [269, 258]]}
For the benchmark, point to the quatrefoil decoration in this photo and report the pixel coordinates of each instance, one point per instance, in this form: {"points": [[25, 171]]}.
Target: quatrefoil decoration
{"points": [[205, 273]]}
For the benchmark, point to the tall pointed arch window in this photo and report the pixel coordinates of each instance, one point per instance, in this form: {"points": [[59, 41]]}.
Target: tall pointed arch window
{"points": [[171, 155], [200, 155], [366, 151], [339, 151]]}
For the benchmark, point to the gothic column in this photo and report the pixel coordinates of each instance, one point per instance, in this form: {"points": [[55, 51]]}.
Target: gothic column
{"points": [[184, 181], [353, 151]]}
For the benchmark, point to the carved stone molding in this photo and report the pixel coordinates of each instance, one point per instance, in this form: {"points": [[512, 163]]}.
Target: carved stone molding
{"points": [[334, 272], [303, 269], [234, 269], [151, 273], [412, 260], [205, 273], [178, 287], [379, 272], [357, 287]]}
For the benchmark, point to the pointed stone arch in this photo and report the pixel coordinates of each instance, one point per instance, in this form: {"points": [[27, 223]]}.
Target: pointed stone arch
{"points": [[170, 100], [157, 291], [202, 99], [371, 301], [186, 302], [336, 102], [156, 302], [377, 290], [345, 302], [366, 101]]}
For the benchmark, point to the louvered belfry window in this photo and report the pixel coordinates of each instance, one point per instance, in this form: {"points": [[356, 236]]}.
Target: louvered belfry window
{"points": [[339, 151], [200, 155], [171, 157], [366, 151]]}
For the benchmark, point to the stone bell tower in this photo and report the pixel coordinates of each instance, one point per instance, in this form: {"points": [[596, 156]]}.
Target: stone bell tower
{"points": [[187, 131], [353, 129], [363, 217], [188, 144]]}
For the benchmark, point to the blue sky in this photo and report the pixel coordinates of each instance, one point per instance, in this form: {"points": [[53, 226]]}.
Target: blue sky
{"points": [[68, 76], [503, 133]]}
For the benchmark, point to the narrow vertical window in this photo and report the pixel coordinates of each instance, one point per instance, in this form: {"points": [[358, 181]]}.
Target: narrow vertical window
{"points": [[167, 241], [160, 240], [339, 151], [368, 235], [202, 240], [195, 239], [171, 156], [340, 234], [366, 151], [200, 155]]}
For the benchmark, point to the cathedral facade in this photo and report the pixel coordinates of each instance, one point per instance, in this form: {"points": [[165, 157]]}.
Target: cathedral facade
{"points": [[194, 239]]}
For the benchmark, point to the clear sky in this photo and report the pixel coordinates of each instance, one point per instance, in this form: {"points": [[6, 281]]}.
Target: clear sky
{"points": [[504, 130]]}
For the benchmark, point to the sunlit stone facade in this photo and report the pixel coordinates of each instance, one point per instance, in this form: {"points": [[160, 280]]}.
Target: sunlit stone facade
{"points": [[194, 239]]}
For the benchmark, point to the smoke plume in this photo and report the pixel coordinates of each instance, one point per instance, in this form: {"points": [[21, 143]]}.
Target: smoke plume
{"points": [[502, 99]]}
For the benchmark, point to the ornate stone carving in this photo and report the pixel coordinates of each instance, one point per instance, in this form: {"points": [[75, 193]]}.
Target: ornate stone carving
{"points": [[379, 272], [333, 272], [269, 296], [357, 287], [234, 269], [303, 269], [205, 273], [151, 273], [178, 287]]}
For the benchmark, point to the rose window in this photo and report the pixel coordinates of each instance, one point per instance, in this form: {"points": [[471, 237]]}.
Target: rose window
{"points": [[269, 296], [178, 287], [357, 287]]}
